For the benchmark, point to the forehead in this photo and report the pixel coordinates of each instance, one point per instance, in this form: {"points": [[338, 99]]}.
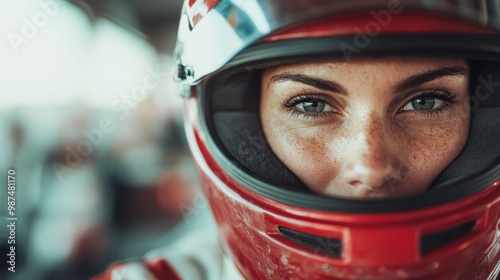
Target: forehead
{"points": [[399, 66]]}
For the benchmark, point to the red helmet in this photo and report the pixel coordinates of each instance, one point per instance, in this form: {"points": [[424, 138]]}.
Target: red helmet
{"points": [[269, 223]]}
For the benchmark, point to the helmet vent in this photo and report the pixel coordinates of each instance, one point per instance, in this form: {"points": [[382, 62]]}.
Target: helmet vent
{"points": [[431, 242], [320, 244]]}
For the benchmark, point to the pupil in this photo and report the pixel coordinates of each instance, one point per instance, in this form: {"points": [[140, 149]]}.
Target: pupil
{"points": [[426, 103], [314, 106]]}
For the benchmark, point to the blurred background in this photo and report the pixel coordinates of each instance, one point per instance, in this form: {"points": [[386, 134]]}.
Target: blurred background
{"points": [[91, 124]]}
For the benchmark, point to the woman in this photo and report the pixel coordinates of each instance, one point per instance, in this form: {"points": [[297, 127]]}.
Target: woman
{"points": [[343, 139], [372, 128]]}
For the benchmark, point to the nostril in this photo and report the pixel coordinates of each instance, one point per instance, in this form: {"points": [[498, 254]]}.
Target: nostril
{"points": [[365, 184], [358, 184], [355, 183], [373, 178]]}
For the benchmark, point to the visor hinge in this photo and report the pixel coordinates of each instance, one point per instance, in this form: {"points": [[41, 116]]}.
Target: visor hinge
{"points": [[184, 72], [184, 75]]}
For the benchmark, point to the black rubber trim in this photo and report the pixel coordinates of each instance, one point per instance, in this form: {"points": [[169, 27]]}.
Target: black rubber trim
{"points": [[331, 247], [434, 241], [484, 47], [472, 46]]}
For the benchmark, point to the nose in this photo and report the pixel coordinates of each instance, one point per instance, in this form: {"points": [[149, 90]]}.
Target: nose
{"points": [[373, 162], [366, 173]]}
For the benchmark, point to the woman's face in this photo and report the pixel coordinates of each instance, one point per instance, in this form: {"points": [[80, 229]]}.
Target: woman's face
{"points": [[369, 129]]}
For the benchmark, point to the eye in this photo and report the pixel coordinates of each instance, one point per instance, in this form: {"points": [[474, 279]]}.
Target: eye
{"points": [[310, 105], [313, 106], [423, 104]]}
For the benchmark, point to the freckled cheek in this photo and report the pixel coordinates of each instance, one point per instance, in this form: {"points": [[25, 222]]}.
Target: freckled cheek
{"points": [[430, 149], [305, 152]]}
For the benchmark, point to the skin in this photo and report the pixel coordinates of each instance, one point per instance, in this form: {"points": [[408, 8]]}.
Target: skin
{"points": [[356, 130]]}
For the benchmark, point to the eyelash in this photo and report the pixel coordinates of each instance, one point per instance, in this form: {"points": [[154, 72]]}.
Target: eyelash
{"points": [[448, 98], [290, 104]]}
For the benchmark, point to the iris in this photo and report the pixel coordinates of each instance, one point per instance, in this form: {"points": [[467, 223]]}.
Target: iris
{"points": [[313, 106], [426, 103]]}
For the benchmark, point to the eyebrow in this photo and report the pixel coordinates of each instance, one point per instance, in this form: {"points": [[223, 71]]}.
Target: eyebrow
{"points": [[430, 75], [310, 81], [406, 84]]}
